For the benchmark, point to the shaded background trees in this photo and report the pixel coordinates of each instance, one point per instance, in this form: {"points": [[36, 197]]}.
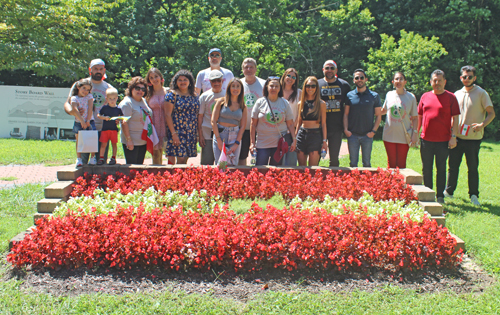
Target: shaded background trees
{"points": [[49, 43]]}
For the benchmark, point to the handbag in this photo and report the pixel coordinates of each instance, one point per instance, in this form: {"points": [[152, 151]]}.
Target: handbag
{"points": [[88, 141], [284, 142]]}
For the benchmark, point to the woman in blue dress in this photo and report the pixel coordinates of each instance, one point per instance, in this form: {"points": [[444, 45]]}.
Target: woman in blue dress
{"points": [[181, 117]]}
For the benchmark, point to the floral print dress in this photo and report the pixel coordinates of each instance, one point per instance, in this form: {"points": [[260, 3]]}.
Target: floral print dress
{"points": [[185, 118]]}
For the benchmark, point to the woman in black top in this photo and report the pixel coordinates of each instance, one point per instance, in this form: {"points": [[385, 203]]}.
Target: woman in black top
{"points": [[311, 124]]}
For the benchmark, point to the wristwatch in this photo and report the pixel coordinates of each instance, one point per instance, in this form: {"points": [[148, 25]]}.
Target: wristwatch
{"points": [[453, 135], [374, 131], [237, 142]]}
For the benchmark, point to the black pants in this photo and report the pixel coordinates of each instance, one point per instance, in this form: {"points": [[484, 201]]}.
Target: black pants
{"points": [[471, 150], [135, 156], [439, 150], [334, 143]]}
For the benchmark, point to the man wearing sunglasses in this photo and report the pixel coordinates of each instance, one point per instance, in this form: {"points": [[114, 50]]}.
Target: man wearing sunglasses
{"points": [[333, 90], [476, 112], [207, 102], [203, 80], [97, 71], [438, 112], [359, 127]]}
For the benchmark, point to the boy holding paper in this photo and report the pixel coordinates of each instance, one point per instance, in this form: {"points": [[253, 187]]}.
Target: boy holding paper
{"points": [[109, 113], [476, 112]]}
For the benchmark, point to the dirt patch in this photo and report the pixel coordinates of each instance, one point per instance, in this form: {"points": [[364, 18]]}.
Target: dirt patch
{"points": [[469, 277]]}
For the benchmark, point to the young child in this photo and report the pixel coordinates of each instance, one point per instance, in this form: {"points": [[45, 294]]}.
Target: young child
{"points": [[109, 129], [83, 101]]}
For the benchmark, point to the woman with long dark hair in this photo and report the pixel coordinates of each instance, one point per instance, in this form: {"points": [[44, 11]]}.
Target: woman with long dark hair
{"points": [[181, 116]]}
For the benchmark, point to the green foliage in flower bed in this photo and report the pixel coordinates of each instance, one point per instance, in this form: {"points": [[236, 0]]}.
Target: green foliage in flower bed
{"points": [[105, 202]]}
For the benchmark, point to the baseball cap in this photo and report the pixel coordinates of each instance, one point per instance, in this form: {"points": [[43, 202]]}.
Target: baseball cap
{"points": [[214, 49], [330, 62], [97, 62], [215, 74]]}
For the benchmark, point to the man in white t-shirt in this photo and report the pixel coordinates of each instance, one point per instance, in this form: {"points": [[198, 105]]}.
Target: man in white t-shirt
{"points": [[252, 86], [207, 102], [476, 112], [202, 80], [97, 71]]}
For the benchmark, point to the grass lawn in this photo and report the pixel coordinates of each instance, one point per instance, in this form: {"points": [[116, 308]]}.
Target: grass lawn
{"points": [[478, 226]]}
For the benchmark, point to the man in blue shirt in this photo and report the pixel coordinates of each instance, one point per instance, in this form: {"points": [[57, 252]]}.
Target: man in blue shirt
{"points": [[359, 127]]}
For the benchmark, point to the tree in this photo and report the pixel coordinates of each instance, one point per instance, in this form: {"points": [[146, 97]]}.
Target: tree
{"points": [[51, 37], [413, 54]]}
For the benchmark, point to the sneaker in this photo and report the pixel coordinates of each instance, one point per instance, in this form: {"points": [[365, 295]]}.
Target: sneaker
{"points": [[474, 200], [100, 162], [447, 195], [112, 161], [440, 200], [92, 161], [79, 162]]}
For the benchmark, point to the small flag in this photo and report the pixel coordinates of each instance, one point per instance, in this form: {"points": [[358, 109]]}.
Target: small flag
{"points": [[465, 130], [222, 163], [149, 133]]}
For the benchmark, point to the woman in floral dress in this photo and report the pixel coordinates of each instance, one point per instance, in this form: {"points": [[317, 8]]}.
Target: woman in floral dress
{"points": [[181, 115]]}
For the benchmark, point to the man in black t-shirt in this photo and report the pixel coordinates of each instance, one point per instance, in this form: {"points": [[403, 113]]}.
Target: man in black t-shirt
{"points": [[334, 92]]}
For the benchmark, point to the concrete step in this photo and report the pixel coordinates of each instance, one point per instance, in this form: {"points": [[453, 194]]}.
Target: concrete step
{"points": [[460, 243], [411, 177], [37, 216], [69, 173], [59, 190], [432, 207], [19, 237], [423, 193], [48, 205], [439, 219]]}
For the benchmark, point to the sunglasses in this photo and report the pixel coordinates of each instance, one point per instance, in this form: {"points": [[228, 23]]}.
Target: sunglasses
{"points": [[215, 55], [273, 78], [467, 77], [311, 86], [291, 76], [329, 68], [359, 78], [143, 89]]}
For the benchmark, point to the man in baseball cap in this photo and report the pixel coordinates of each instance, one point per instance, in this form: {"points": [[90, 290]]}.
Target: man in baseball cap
{"points": [[97, 71], [202, 79]]}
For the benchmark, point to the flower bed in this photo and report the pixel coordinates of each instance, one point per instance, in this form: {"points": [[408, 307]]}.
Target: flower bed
{"points": [[333, 221], [382, 185], [286, 238]]}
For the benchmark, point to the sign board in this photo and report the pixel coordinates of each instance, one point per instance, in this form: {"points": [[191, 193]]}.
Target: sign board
{"points": [[34, 113]]}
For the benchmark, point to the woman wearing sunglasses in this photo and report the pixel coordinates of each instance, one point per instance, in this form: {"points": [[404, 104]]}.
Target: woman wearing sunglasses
{"points": [[400, 129], [271, 118], [311, 124], [181, 115], [291, 92], [134, 105]]}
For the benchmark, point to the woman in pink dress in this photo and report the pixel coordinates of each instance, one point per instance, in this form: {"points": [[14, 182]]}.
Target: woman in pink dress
{"points": [[156, 101]]}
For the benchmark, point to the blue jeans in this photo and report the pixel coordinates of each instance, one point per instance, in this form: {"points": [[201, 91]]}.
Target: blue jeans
{"points": [[225, 138], [354, 142], [265, 157], [290, 159]]}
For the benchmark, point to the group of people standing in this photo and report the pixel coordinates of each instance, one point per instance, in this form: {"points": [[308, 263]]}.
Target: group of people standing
{"points": [[252, 115]]}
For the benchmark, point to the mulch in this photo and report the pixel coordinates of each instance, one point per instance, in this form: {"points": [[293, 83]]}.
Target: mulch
{"points": [[241, 286]]}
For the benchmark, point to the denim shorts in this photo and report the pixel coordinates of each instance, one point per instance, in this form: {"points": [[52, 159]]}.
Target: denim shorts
{"points": [[309, 140], [78, 126]]}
